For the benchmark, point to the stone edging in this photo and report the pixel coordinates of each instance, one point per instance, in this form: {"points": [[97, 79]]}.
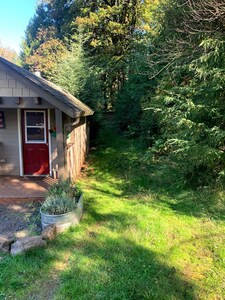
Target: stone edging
{"points": [[49, 232], [14, 247]]}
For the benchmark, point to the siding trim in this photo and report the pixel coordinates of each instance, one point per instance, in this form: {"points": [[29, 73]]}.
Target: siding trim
{"points": [[49, 143], [20, 140], [60, 144]]}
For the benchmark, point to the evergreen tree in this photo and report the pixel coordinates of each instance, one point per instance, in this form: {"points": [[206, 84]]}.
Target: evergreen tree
{"points": [[188, 61], [47, 35], [110, 29]]}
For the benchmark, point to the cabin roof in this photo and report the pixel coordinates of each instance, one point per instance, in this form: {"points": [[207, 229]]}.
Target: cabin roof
{"points": [[54, 94]]}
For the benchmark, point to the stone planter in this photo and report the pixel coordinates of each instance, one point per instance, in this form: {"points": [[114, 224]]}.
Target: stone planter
{"points": [[66, 220]]}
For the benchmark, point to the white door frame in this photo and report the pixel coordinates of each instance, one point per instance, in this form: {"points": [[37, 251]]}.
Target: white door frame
{"points": [[20, 142], [19, 126]]}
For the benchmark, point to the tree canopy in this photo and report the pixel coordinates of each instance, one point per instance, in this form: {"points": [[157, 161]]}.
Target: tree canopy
{"points": [[8, 53], [158, 64]]}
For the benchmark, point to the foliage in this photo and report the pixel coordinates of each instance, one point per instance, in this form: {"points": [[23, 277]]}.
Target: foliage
{"points": [[128, 104], [128, 108], [47, 57], [63, 188], [188, 61], [8, 54], [77, 75], [110, 45], [159, 64], [61, 198], [57, 14], [45, 43], [73, 72], [57, 205]]}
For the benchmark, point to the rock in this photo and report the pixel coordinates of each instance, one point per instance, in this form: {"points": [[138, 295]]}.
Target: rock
{"points": [[49, 232], [27, 243], [5, 244]]}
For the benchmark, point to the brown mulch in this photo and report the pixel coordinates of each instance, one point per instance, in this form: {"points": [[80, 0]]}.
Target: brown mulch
{"points": [[20, 217]]}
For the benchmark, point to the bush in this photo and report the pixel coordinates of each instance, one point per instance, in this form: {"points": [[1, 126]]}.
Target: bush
{"points": [[61, 198]]}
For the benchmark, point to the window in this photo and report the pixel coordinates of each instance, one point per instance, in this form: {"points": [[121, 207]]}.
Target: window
{"points": [[35, 127]]}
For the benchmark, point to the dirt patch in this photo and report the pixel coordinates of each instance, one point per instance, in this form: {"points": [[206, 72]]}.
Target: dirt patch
{"points": [[20, 218]]}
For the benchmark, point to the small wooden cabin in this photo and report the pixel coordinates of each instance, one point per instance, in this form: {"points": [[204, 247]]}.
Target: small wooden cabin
{"points": [[44, 130]]}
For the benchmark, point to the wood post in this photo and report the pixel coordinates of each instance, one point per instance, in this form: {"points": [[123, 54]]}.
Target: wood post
{"points": [[60, 144]]}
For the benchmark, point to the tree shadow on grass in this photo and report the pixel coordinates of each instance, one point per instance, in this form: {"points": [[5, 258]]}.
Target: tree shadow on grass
{"points": [[107, 266], [122, 270], [101, 264]]}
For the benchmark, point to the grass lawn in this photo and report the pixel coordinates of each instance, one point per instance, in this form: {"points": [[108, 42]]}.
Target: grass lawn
{"points": [[142, 237]]}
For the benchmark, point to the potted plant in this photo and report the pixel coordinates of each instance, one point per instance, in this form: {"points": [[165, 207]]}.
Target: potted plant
{"points": [[63, 206]]}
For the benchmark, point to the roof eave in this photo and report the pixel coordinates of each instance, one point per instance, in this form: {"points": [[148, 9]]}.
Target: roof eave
{"points": [[82, 114], [73, 113]]}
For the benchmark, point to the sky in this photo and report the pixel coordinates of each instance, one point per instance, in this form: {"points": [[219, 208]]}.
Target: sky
{"points": [[14, 18]]}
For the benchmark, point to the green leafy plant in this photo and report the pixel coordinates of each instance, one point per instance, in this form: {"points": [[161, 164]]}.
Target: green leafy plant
{"points": [[183, 117], [61, 198]]}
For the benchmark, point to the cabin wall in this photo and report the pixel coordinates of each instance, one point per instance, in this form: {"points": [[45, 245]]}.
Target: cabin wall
{"points": [[9, 144], [77, 146]]}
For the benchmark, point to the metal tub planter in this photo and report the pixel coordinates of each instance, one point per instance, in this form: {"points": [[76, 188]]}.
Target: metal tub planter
{"points": [[64, 221], [63, 206]]}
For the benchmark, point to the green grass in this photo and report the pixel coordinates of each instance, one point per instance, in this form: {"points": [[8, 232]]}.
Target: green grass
{"points": [[143, 236]]}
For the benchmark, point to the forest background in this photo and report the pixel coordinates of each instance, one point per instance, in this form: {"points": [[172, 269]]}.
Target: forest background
{"points": [[157, 65]]}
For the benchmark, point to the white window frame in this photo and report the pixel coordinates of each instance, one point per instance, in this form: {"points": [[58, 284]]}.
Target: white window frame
{"points": [[44, 126]]}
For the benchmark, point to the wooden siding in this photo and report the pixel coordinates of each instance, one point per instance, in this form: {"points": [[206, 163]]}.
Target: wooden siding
{"points": [[77, 148], [9, 87], [9, 144], [76, 143]]}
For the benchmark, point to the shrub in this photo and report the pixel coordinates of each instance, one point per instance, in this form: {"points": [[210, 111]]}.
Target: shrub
{"points": [[61, 198]]}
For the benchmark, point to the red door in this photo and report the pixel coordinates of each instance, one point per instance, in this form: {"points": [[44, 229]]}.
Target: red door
{"points": [[35, 142]]}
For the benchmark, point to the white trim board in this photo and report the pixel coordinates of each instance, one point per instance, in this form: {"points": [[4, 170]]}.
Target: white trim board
{"points": [[49, 143], [19, 127]]}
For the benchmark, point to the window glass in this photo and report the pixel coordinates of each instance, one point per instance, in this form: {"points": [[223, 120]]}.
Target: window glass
{"points": [[35, 134], [35, 127], [35, 118]]}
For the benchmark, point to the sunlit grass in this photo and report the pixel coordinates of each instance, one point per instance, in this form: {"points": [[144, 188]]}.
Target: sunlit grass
{"points": [[142, 237]]}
